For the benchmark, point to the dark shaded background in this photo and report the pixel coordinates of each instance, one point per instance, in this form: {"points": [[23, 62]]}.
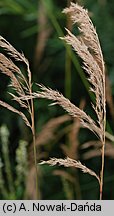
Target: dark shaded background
{"points": [[33, 27]]}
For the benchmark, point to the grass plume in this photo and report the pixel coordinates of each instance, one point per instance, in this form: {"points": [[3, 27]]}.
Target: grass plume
{"points": [[68, 162], [87, 46], [21, 85]]}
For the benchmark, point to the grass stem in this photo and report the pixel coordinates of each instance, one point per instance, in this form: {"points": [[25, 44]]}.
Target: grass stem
{"points": [[34, 148]]}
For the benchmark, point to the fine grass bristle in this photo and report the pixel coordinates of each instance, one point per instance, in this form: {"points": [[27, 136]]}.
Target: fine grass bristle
{"points": [[21, 86], [88, 48], [68, 162]]}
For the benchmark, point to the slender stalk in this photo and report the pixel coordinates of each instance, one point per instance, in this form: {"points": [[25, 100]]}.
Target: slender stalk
{"points": [[70, 52], [68, 74], [34, 148], [103, 140], [33, 133], [35, 161], [102, 166], [73, 57], [102, 173], [68, 60]]}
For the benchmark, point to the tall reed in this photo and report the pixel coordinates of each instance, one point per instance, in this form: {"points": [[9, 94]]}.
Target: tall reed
{"points": [[21, 85], [87, 46]]}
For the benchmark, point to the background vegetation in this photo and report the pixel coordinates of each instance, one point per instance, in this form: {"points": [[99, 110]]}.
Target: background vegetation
{"points": [[34, 27]]}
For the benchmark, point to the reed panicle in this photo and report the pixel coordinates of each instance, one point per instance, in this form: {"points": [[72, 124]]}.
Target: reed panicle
{"points": [[68, 162], [72, 110], [88, 32], [21, 85], [87, 46]]}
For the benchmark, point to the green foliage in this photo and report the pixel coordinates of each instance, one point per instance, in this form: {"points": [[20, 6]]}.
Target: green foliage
{"points": [[60, 69], [12, 186]]}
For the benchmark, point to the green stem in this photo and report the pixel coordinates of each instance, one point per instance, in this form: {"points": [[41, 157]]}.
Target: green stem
{"points": [[68, 75], [68, 61], [8, 168], [72, 56]]}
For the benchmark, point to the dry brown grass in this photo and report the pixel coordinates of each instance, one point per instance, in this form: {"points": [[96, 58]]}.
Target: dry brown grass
{"points": [[68, 162], [21, 85], [87, 46]]}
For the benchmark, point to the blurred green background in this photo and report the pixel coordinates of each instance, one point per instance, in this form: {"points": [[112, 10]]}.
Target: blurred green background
{"points": [[33, 27]]}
